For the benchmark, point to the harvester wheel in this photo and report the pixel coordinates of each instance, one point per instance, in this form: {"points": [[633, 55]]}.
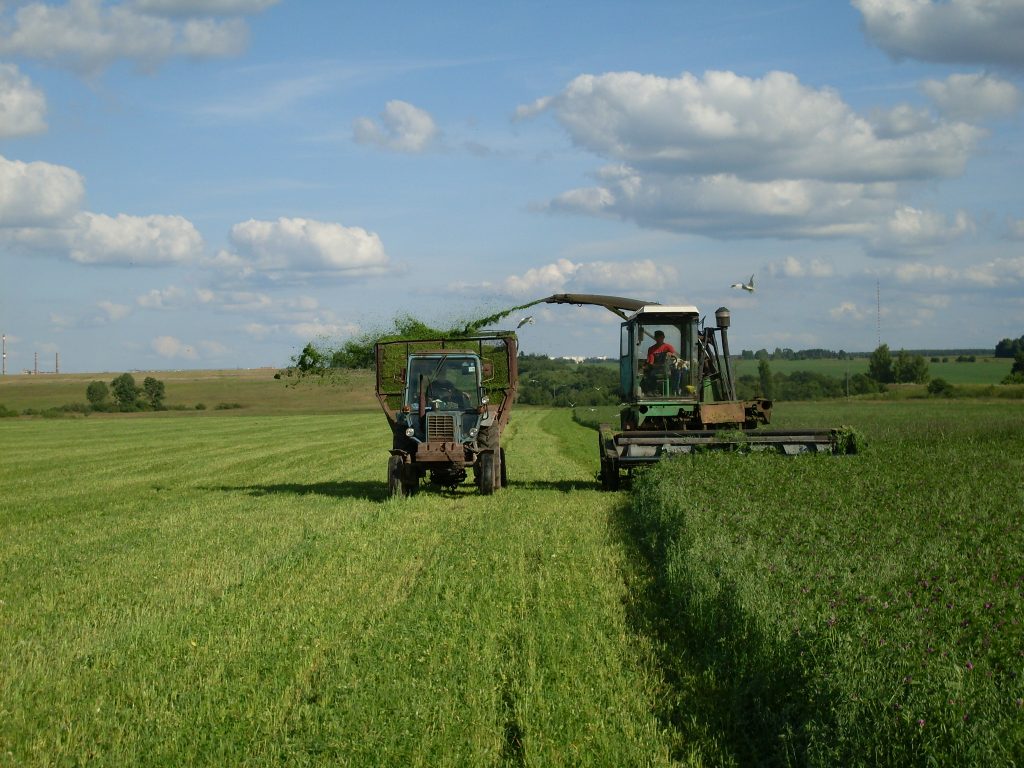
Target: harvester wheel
{"points": [[395, 470], [489, 473], [609, 475], [504, 468]]}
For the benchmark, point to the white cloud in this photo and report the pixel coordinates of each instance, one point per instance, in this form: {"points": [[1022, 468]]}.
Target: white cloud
{"points": [[170, 347], [87, 35], [769, 128], [22, 105], [37, 194], [565, 275], [726, 206], [114, 311], [793, 267], [314, 330], [913, 231], [308, 246], [964, 31], [139, 240], [849, 310], [258, 331], [973, 97], [1016, 229], [1006, 272], [736, 157], [170, 297], [213, 348], [235, 301], [402, 128], [202, 38], [934, 301], [203, 7]]}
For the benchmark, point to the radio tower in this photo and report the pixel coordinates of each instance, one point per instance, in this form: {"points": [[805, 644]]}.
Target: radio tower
{"points": [[878, 311]]}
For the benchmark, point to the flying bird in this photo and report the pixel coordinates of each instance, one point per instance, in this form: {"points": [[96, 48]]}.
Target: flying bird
{"points": [[745, 286], [528, 320]]}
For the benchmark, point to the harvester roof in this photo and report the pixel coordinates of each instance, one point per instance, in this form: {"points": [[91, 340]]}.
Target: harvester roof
{"points": [[665, 309]]}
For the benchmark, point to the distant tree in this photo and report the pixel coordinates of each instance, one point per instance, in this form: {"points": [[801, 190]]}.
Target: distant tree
{"points": [[96, 393], [125, 391], [764, 377], [155, 392], [940, 388], [761, 354], [1016, 375], [909, 369], [880, 365], [1009, 347], [862, 384], [747, 354]]}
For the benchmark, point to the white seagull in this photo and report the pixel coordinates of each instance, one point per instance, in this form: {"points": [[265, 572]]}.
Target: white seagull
{"points": [[528, 320], [745, 286]]}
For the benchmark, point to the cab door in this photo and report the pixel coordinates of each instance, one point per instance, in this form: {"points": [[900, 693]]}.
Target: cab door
{"points": [[627, 364]]}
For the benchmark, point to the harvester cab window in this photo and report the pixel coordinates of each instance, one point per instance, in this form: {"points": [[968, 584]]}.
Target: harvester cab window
{"points": [[662, 353], [447, 383]]}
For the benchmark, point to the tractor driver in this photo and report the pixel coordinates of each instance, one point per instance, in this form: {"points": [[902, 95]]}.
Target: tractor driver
{"points": [[444, 390], [660, 356], [657, 351]]}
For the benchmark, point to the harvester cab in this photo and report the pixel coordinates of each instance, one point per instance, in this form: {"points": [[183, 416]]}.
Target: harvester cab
{"points": [[678, 392], [447, 401]]}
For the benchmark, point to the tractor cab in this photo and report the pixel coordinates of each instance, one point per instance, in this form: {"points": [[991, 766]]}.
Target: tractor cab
{"points": [[444, 382], [658, 354]]}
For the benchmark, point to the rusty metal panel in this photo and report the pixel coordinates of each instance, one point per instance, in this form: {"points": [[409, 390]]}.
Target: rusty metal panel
{"points": [[440, 453], [722, 413]]}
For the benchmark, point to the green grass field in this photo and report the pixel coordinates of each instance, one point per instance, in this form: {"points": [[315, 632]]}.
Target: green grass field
{"points": [[256, 390], [986, 370], [855, 610], [232, 590], [235, 588]]}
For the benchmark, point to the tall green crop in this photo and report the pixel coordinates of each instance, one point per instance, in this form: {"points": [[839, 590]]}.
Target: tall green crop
{"points": [[854, 610]]}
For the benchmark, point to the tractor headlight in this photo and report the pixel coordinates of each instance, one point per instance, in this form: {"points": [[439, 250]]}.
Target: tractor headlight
{"points": [[410, 432], [485, 400], [472, 432]]}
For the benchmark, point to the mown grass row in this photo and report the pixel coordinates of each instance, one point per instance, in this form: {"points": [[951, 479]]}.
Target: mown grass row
{"points": [[225, 591], [855, 610]]}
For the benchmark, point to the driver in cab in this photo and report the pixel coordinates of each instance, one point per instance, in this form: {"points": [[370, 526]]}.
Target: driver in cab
{"points": [[444, 394]]}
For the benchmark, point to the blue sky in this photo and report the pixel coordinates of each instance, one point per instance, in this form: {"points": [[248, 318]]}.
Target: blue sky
{"points": [[189, 184]]}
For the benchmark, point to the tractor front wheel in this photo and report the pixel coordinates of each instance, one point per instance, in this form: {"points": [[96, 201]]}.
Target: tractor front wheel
{"points": [[490, 472], [395, 471], [504, 468]]}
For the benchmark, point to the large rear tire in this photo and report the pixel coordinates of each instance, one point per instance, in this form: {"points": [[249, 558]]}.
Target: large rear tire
{"points": [[489, 472]]}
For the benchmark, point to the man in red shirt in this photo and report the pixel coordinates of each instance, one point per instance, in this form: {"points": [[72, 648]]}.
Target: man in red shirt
{"points": [[659, 359], [656, 352]]}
